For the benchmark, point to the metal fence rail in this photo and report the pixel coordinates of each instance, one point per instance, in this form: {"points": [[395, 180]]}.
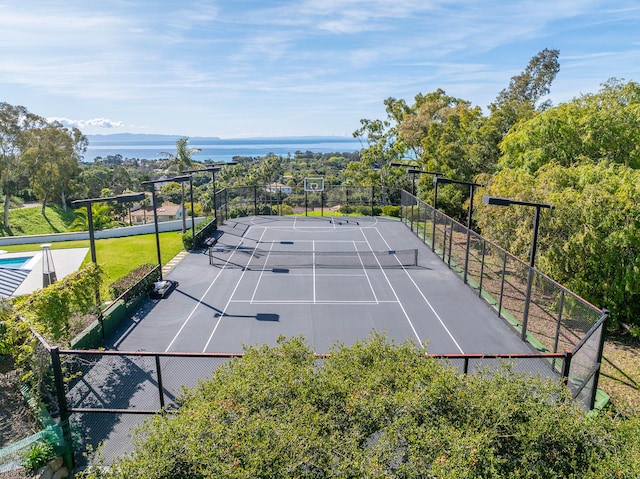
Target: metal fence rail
{"points": [[551, 318]]}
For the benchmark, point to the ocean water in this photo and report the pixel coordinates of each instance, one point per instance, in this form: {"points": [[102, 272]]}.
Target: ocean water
{"points": [[217, 149]]}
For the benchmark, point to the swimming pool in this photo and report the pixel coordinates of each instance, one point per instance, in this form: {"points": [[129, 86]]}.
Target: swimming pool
{"points": [[15, 262]]}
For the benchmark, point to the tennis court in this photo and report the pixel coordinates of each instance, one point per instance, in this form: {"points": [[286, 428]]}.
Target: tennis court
{"points": [[328, 279]]}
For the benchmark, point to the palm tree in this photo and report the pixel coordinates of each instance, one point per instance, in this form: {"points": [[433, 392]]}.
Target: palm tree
{"points": [[181, 161], [102, 216]]}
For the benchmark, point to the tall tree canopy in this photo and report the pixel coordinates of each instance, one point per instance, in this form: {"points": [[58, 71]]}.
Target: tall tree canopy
{"points": [[591, 128], [52, 158], [16, 123]]}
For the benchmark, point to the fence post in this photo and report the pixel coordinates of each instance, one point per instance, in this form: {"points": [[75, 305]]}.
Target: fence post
{"points": [[373, 194], [226, 205], [484, 247], [159, 376], [596, 376], [450, 242], [566, 366], [560, 310], [413, 200], [62, 404], [255, 200], [466, 256], [347, 190], [426, 217], [504, 273], [527, 304]]}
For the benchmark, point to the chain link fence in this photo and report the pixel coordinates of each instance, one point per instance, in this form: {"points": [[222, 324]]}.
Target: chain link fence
{"points": [[548, 316], [238, 201]]}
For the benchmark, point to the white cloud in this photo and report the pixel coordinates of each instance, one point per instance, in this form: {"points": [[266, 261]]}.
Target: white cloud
{"points": [[94, 122]]}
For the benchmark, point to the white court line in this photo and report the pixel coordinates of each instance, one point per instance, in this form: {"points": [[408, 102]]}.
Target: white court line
{"points": [[425, 298], [313, 261], [365, 272], [304, 301], [206, 292], [305, 275], [395, 294], [266, 261], [224, 311]]}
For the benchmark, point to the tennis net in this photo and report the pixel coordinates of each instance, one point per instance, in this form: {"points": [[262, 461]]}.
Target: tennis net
{"points": [[260, 259]]}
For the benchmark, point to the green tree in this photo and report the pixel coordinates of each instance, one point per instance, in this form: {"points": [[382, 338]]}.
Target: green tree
{"points": [[15, 125], [94, 178], [590, 242], [172, 192], [520, 101], [181, 161], [52, 160], [591, 128], [375, 410], [383, 148]]}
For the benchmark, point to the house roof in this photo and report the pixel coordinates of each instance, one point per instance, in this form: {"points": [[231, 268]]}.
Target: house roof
{"points": [[166, 209]]}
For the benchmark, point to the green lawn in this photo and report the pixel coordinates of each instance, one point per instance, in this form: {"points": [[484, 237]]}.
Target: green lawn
{"points": [[118, 256], [29, 221]]}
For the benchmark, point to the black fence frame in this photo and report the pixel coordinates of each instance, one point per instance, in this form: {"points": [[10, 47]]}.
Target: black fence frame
{"points": [[546, 314]]}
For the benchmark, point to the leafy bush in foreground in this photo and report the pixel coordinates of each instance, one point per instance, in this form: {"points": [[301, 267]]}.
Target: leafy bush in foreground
{"points": [[375, 410]]}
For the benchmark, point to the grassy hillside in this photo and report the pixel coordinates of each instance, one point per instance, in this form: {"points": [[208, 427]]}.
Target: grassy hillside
{"points": [[30, 221]]}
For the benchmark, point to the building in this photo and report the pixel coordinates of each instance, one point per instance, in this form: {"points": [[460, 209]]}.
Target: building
{"points": [[166, 212], [275, 187]]}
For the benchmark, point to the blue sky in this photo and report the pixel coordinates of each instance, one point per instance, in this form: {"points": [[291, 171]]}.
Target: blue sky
{"points": [[246, 68]]}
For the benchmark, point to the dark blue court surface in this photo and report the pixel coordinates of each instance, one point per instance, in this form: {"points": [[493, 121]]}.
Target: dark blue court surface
{"points": [[326, 279]]}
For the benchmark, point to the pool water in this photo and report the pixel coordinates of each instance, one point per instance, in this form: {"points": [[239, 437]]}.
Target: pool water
{"points": [[15, 262]]}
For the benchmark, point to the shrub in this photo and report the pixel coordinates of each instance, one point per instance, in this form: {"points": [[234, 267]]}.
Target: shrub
{"points": [[394, 211], [39, 454], [187, 237], [286, 209], [366, 210], [133, 281], [240, 211], [376, 410]]}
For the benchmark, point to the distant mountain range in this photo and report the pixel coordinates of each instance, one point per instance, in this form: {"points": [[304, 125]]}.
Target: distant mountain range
{"points": [[145, 138]]}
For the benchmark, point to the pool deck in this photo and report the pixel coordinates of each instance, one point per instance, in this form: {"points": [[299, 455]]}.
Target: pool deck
{"points": [[65, 261]]}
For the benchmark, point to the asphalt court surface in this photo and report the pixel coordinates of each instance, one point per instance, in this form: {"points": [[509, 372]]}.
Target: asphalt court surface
{"points": [[256, 293]]}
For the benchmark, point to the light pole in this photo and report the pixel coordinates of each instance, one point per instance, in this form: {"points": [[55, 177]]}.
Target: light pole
{"points": [[494, 200], [214, 168], [472, 186], [124, 198], [88, 203], [153, 183], [413, 171]]}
